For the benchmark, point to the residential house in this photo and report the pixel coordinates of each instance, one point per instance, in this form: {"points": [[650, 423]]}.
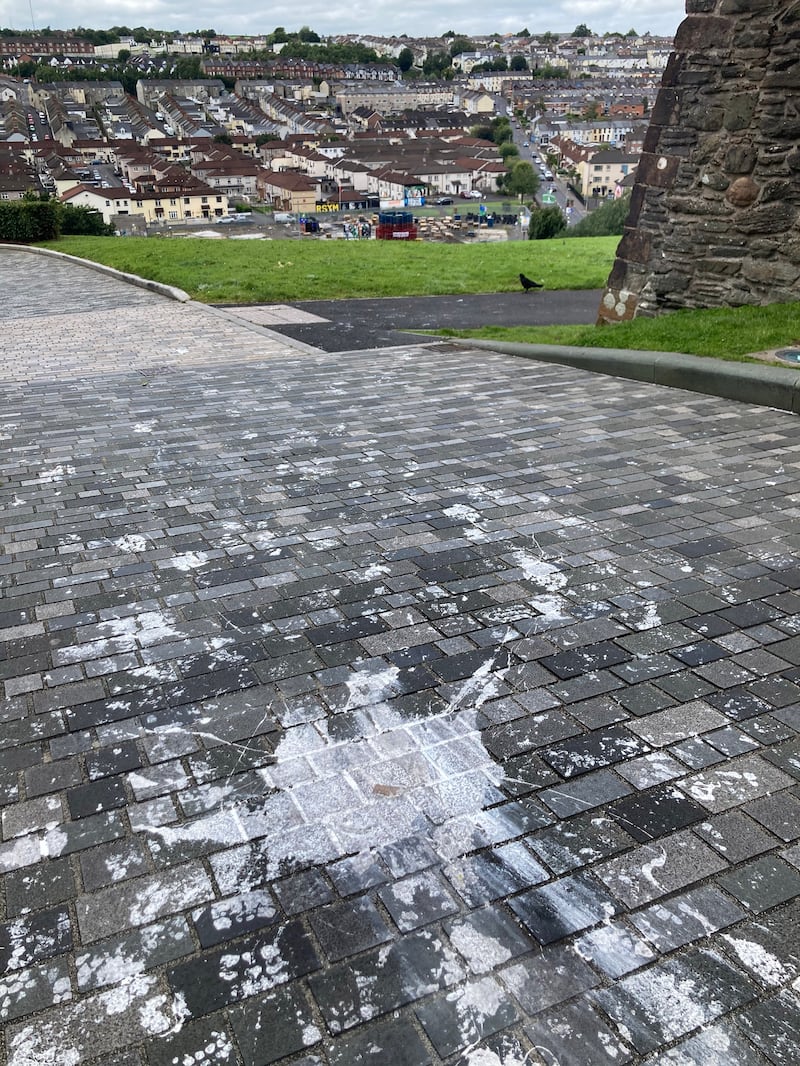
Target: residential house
{"points": [[289, 191]]}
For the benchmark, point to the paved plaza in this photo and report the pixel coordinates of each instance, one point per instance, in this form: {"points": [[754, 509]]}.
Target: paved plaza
{"points": [[398, 706]]}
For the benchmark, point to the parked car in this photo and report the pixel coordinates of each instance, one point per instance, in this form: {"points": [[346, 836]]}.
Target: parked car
{"points": [[444, 200]]}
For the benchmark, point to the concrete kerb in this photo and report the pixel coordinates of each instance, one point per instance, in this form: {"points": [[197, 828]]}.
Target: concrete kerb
{"points": [[766, 386], [170, 291]]}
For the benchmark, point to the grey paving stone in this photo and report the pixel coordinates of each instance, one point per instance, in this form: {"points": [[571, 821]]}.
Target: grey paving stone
{"points": [[487, 938], [584, 793], [275, 1025], [575, 1035], [773, 1026], [347, 928], [670, 999], [762, 883], [550, 977], [375, 1043], [716, 1044], [417, 900], [614, 949], [562, 907], [384, 980], [207, 1038], [259, 963], [686, 917], [465, 1016], [744, 778], [655, 870]]}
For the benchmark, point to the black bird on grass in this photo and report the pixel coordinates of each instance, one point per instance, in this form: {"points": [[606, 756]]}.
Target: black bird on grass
{"points": [[528, 284]]}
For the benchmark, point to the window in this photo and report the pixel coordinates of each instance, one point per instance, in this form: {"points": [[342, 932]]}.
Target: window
{"points": [[173, 214]]}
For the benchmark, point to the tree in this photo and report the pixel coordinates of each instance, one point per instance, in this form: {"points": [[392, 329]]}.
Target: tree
{"points": [[546, 222], [522, 180], [524, 33], [461, 44], [405, 60], [306, 34], [582, 30], [606, 221], [518, 63], [507, 150]]}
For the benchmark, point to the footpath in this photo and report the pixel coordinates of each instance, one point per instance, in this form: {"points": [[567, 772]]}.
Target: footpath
{"points": [[416, 704]]}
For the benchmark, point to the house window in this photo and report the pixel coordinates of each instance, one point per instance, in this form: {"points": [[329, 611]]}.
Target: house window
{"points": [[173, 214], [172, 203], [219, 199], [158, 203], [186, 199], [203, 199]]}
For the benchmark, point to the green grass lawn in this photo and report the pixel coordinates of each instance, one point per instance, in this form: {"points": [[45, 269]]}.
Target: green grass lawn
{"points": [[725, 332], [254, 271], [280, 271]]}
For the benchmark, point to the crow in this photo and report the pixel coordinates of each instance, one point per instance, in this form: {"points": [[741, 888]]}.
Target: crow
{"points": [[528, 284]]}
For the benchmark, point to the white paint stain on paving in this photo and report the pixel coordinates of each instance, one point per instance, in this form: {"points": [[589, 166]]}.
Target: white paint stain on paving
{"points": [[144, 629]]}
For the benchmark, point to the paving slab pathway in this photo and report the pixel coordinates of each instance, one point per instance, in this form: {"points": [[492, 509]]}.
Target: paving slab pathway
{"points": [[409, 706]]}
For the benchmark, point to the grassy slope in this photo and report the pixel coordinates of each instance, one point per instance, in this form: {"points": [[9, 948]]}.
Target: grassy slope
{"points": [[246, 271]]}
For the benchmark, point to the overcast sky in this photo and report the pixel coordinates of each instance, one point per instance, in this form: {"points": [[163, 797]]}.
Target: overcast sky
{"points": [[417, 18]]}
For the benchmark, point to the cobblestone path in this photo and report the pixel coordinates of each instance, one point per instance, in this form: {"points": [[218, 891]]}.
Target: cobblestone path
{"points": [[401, 707]]}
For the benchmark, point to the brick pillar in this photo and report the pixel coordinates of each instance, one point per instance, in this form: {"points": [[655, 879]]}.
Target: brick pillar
{"points": [[715, 210]]}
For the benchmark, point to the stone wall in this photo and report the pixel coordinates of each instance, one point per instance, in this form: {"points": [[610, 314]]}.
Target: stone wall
{"points": [[715, 211]]}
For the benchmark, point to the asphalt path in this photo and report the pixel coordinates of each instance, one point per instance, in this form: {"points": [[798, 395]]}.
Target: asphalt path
{"points": [[350, 325]]}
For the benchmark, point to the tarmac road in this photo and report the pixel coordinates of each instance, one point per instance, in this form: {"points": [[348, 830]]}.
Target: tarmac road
{"points": [[347, 325]]}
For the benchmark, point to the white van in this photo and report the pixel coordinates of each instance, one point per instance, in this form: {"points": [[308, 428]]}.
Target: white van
{"points": [[283, 216]]}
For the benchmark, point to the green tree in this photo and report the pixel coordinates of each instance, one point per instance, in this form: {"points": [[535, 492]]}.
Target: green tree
{"points": [[306, 34], [518, 63], [437, 65], [546, 222], [405, 59], [508, 150], [524, 33], [522, 180], [606, 221], [188, 67], [582, 30], [461, 44]]}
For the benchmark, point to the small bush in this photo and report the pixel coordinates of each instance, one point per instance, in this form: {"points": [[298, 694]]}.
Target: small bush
{"points": [[546, 222], [83, 220], [28, 220]]}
